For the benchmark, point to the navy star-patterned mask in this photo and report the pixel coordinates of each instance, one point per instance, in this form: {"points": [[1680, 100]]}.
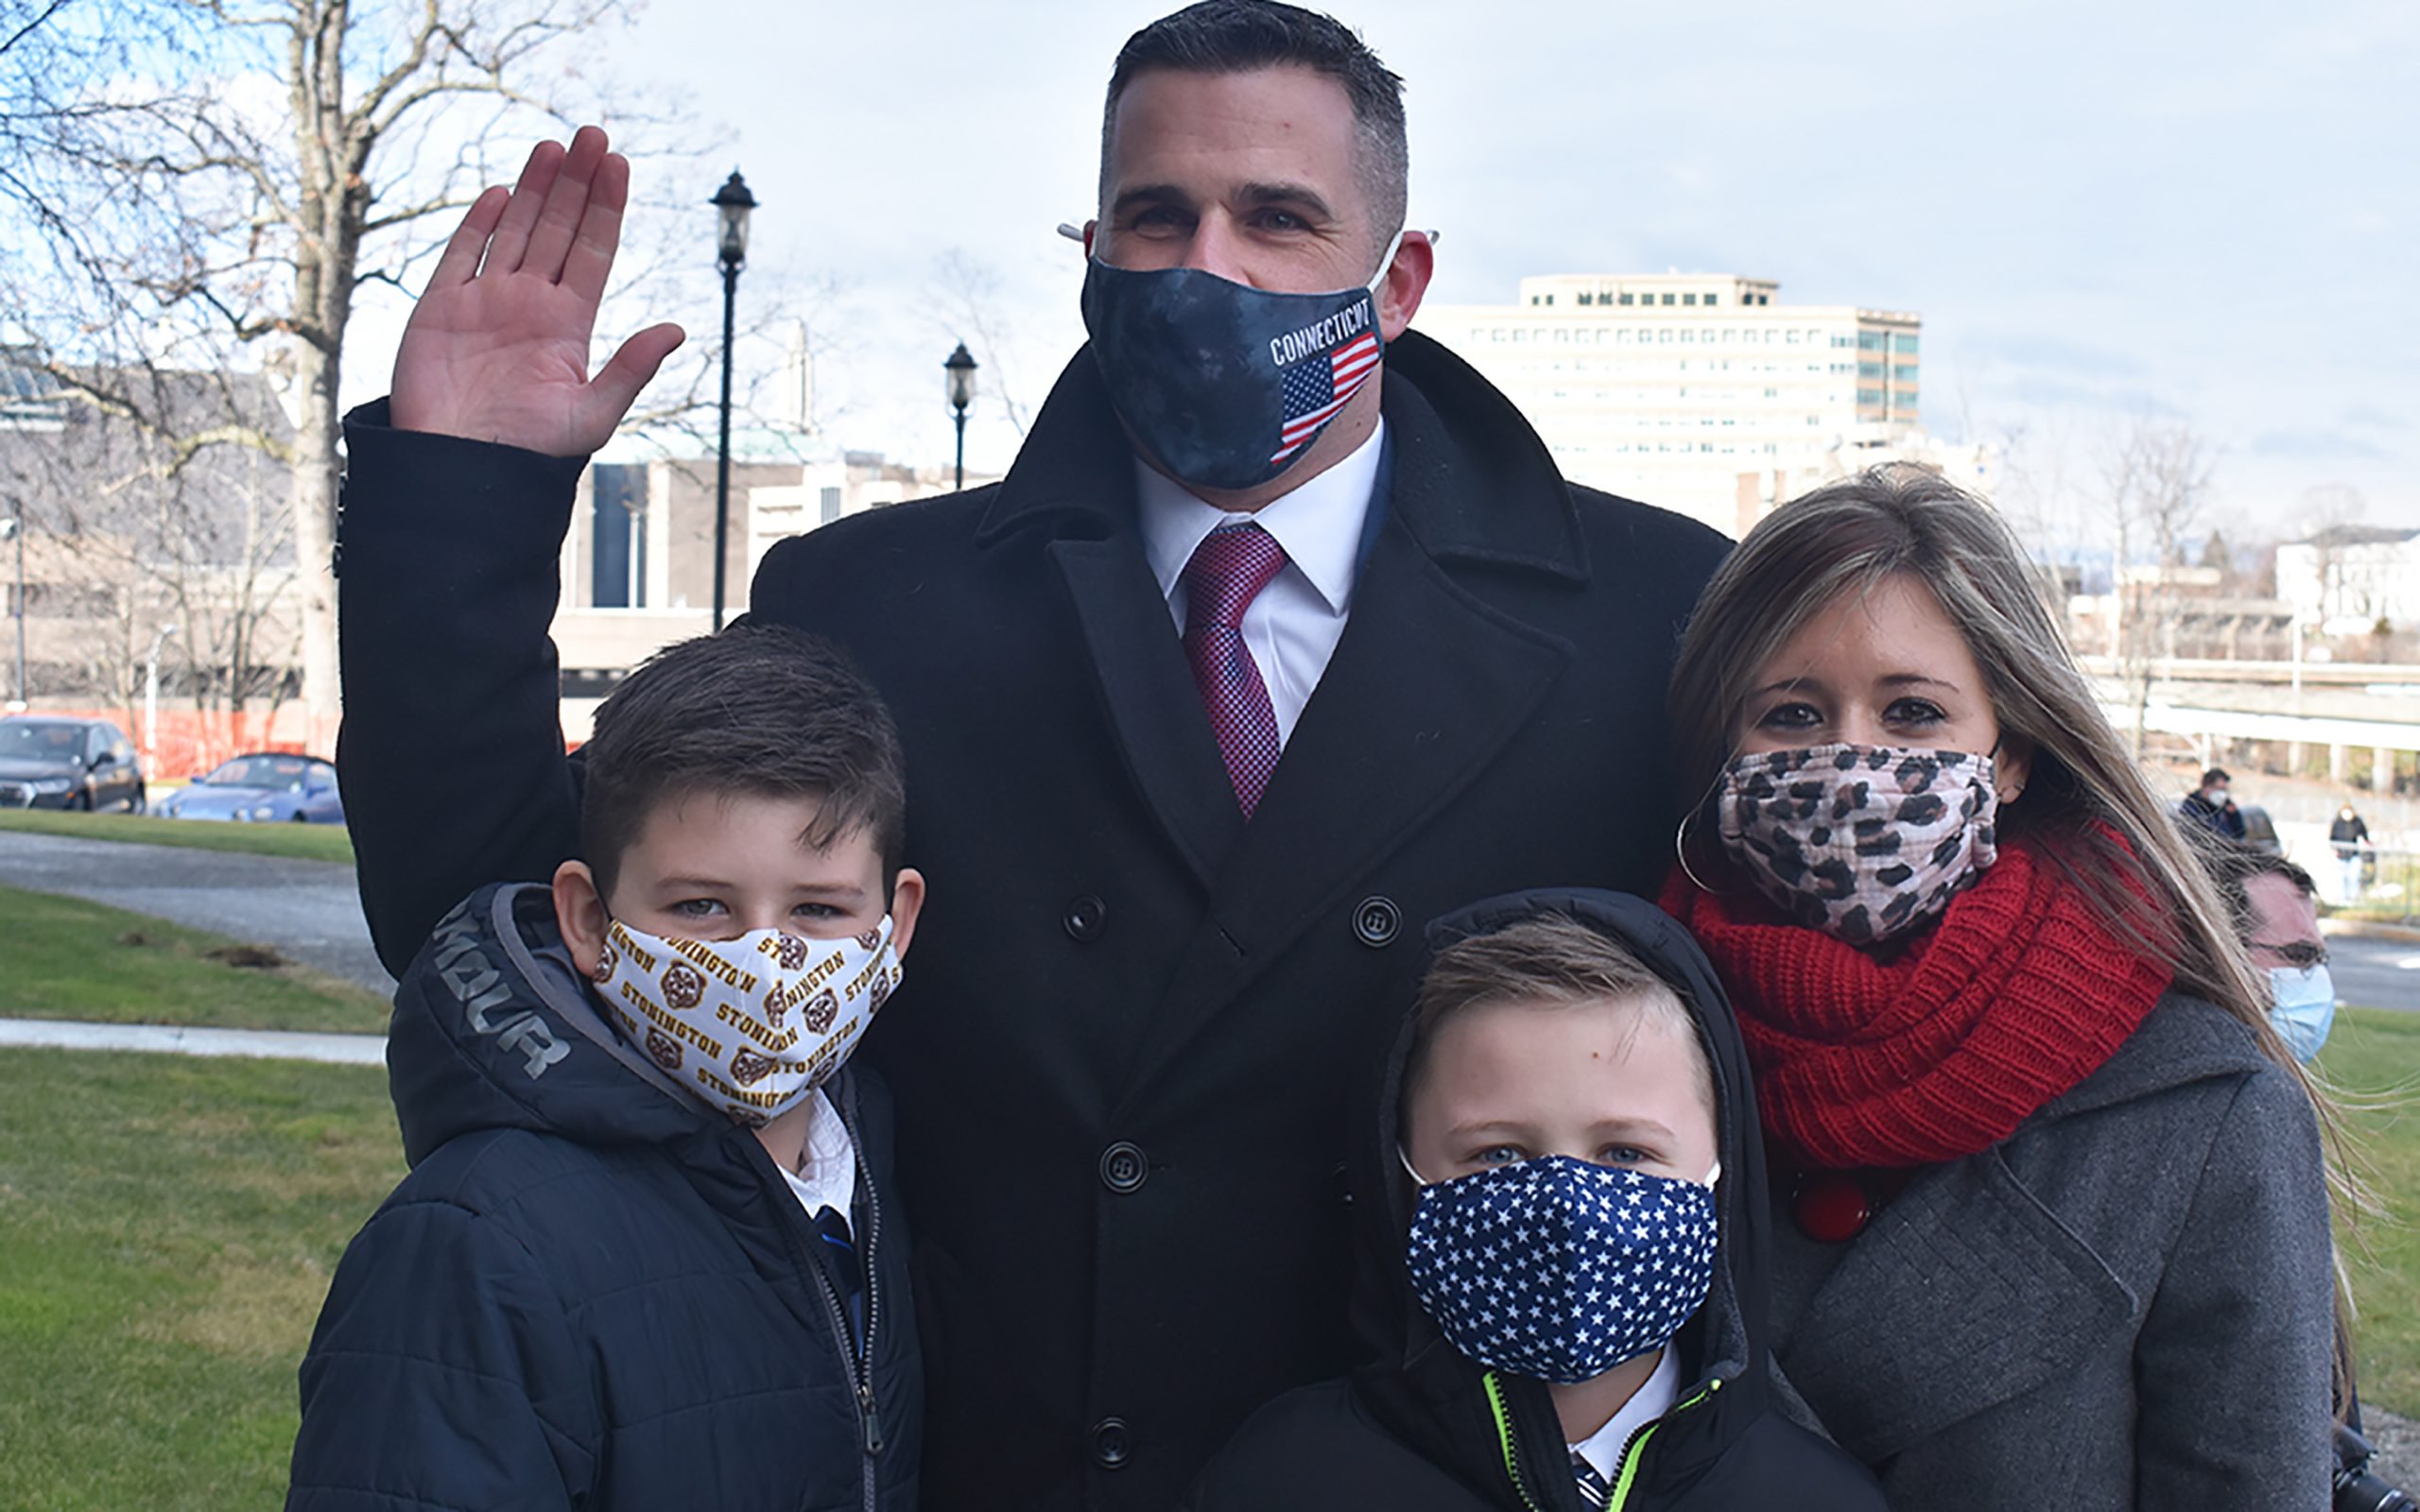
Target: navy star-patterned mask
{"points": [[1561, 1269]]}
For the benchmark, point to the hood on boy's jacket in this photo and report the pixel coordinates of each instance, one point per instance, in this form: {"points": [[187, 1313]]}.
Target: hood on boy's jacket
{"points": [[494, 1028], [1426, 1391]]}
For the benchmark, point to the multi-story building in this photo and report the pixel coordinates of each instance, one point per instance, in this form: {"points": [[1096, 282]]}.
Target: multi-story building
{"points": [[1697, 391], [638, 562], [2346, 578]]}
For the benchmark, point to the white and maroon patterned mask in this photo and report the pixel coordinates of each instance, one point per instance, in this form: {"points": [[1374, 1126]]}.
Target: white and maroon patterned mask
{"points": [[750, 1026], [1863, 842]]}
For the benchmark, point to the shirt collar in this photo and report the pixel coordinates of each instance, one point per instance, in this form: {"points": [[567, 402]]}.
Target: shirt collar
{"points": [[1651, 1400], [827, 1174], [1319, 523]]}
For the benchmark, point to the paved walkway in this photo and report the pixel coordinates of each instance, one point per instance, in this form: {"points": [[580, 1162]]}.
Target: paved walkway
{"points": [[264, 1044], [309, 909]]}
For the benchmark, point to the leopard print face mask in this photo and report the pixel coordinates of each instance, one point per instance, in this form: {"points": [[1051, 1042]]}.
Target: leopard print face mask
{"points": [[1863, 842], [748, 1026]]}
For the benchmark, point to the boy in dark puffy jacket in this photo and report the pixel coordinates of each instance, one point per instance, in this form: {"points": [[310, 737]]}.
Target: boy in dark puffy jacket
{"points": [[1561, 1207], [643, 1259]]}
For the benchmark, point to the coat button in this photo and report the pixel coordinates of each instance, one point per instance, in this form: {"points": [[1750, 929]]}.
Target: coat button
{"points": [[1110, 1448], [1376, 922], [1085, 918], [1124, 1168]]}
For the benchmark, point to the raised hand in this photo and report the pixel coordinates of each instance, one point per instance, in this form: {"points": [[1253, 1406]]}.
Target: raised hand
{"points": [[497, 348]]}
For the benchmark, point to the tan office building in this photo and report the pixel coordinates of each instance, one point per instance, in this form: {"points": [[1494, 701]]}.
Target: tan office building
{"points": [[1698, 391]]}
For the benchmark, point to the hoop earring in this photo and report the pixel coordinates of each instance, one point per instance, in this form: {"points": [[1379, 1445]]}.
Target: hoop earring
{"points": [[1681, 852]]}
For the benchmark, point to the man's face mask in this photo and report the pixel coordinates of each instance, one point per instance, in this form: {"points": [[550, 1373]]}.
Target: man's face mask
{"points": [[1224, 385], [2302, 1005]]}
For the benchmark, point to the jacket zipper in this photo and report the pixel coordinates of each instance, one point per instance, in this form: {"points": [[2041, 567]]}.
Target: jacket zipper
{"points": [[1504, 1437], [869, 1411], [1636, 1448], [1632, 1452], [859, 1360]]}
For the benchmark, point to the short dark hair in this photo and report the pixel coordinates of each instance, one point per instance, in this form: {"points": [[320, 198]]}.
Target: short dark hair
{"points": [[757, 709], [1549, 960], [2215, 774], [1236, 36], [2232, 866]]}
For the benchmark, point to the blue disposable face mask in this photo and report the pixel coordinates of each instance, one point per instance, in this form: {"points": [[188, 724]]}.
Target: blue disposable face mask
{"points": [[2302, 1006], [1221, 385]]}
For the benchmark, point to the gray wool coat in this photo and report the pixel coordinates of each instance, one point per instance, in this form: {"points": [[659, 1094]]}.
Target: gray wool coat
{"points": [[2125, 1305]]}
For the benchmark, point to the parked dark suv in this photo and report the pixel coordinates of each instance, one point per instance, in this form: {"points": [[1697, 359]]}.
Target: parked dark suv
{"points": [[67, 763]]}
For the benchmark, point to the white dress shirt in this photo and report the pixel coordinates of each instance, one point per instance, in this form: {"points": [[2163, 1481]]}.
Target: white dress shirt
{"points": [[1653, 1399], [827, 1174], [1292, 627]]}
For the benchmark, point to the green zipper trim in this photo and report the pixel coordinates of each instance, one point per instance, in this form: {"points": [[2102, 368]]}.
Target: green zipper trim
{"points": [[1638, 1448], [1620, 1494], [1504, 1437]]}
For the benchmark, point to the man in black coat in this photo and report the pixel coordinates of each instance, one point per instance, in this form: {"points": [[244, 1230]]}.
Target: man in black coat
{"points": [[1117, 1066]]}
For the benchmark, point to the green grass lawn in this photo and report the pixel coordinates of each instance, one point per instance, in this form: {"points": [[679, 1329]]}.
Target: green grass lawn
{"points": [[167, 1229], [2373, 1058], [307, 842], [66, 958]]}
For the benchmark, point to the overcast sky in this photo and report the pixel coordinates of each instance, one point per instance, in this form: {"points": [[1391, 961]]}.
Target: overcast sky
{"points": [[2202, 211]]}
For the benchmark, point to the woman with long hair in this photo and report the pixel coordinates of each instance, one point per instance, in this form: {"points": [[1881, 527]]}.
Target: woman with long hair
{"points": [[2053, 1225]]}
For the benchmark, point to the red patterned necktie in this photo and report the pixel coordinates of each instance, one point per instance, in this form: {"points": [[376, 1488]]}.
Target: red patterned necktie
{"points": [[1228, 571]]}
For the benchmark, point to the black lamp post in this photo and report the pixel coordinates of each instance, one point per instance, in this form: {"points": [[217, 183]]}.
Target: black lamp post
{"points": [[732, 204], [961, 368]]}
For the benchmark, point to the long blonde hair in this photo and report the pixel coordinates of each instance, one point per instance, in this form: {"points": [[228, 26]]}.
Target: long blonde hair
{"points": [[2086, 807]]}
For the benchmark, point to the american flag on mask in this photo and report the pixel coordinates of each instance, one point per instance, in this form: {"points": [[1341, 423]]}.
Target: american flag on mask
{"points": [[1315, 390]]}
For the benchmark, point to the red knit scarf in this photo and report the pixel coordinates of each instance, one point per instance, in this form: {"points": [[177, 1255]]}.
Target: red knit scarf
{"points": [[2014, 997]]}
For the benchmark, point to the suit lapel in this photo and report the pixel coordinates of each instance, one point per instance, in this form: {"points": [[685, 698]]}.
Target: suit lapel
{"points": [[1148, 698], [1426, 686], [1965, 1293]]}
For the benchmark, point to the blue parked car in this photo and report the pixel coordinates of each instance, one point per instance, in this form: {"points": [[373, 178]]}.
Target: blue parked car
{"points": [[269, 787]]}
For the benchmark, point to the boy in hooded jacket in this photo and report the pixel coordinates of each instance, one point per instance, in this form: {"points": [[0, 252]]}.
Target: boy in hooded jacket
{"points": [[1559, 1211], [644, 1258]]}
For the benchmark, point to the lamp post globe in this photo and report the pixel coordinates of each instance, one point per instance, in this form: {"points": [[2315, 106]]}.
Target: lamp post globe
{"points": [[960, 369], [732, 203]]}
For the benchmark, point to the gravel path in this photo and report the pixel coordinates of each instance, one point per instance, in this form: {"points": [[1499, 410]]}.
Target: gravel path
{"points": [[309, 909]]}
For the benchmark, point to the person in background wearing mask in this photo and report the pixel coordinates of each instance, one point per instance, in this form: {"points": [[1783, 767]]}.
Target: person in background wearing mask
{"points": [[1283, 629], [2053, 1215], [2274, 905], [2212, 807], [2350, 834], [1561, 1215]]}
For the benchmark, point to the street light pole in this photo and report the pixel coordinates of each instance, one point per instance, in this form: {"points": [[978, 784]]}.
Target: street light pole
{"points": [[151, 697], [732, 204], [960, 366], [15, 525]]}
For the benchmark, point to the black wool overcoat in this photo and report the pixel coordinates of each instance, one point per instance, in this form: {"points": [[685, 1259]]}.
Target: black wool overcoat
{"points": [[1129, 1019]]}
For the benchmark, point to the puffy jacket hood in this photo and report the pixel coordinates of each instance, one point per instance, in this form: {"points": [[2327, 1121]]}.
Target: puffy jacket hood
{"points": [[494, 1028], [1426, 1391]]}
